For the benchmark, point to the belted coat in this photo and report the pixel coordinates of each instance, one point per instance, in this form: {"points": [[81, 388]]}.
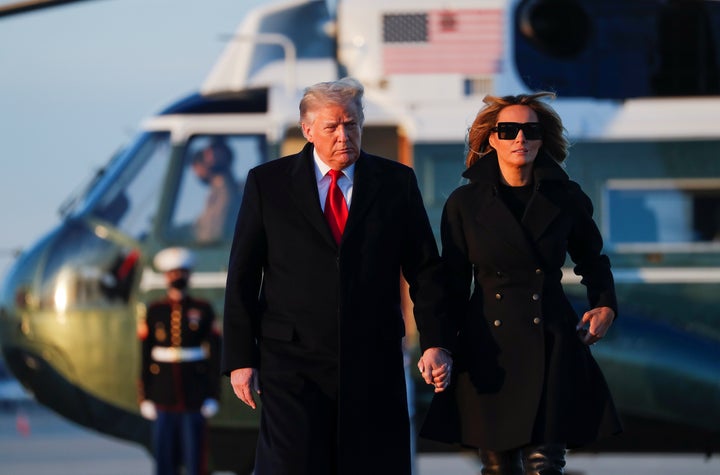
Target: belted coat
{"points": [[522, 374], [180, 385], [311, 313]]}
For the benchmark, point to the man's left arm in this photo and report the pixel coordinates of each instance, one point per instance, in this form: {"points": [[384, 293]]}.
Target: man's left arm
{"points": [[422, 268]]}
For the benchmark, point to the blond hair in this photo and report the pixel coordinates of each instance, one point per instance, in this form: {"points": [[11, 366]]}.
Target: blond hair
{"points": [[555, 142]]}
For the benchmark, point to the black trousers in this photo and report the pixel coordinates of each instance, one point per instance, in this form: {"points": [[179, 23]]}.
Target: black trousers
{"points": [[546, 459]]}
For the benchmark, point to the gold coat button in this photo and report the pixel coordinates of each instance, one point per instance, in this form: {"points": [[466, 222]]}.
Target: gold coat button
{"points": [[497, 323], [537, 320], [538, 271], [536, 297], [498, 296]]}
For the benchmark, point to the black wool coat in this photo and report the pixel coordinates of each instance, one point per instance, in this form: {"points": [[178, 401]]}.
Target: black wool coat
{"points": [[306, 311], [522, 374]]}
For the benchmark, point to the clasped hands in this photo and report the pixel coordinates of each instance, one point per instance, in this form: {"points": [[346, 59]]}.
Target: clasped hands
{"points": [[435, 365]]}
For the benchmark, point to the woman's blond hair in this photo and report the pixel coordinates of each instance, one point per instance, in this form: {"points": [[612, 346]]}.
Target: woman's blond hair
{"points": [[555, 143]]}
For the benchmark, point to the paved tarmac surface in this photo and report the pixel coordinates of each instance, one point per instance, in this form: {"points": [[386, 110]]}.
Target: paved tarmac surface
{"points": [[51, 445]]}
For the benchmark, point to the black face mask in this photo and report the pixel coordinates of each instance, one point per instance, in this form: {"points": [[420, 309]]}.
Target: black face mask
{"points": [[180, 283]]}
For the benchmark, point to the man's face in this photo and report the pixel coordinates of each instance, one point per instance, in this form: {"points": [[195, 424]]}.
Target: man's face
{"points": [[201, 171], [335, 133]]}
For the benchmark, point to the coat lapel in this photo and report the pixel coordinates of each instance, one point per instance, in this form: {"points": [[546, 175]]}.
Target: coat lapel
{"points": [[540, 211], [303, 189], [366, 186], [497, 218]]}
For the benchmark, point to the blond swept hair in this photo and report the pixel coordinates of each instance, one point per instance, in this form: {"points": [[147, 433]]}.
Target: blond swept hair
{"points": [[555, 143], [343, 92]]}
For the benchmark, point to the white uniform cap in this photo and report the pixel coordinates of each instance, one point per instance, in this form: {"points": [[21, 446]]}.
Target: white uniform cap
{"points": [[174, 258]]}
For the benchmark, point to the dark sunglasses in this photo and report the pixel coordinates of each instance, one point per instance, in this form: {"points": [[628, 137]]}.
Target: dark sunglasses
{"points": [[509, 130]]}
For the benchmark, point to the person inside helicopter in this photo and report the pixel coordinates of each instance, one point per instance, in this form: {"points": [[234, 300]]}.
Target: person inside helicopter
{"points": [[212, 166]]}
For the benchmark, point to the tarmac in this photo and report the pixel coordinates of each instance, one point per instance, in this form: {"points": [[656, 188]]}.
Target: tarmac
{"points": [[35, 441]]}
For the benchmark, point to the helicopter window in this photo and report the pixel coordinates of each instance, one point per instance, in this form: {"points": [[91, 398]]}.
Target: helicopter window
{"points": [[211, 185], [304, 25], [130, 202], [675, 213]]}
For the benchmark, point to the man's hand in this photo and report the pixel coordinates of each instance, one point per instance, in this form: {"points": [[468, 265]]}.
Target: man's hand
{"points": [[244, 381], [436, 367]]}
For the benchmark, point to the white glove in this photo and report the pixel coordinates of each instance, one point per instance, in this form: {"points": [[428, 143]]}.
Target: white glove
{"points": [[147, 410], [209, 408]]}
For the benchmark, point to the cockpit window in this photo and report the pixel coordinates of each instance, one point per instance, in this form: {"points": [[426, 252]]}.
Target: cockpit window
{"points": [[129, 202], [675, 214], [211, 185]]}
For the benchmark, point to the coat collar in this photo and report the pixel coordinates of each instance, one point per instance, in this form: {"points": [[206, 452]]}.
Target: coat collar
{"points": [[486, 169], [303, 187], [541, 210]]}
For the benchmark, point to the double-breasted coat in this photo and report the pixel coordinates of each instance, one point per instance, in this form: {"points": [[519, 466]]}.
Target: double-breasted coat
{"points": [[523, 375], [306, 311]]}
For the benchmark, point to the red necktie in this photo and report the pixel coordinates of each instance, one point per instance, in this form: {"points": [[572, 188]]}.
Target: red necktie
{"points": [[336, 211]]}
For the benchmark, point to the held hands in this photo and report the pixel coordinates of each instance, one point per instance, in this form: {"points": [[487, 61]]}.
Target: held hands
{"points": [[598, 320], [436, 366], [244, 381]]}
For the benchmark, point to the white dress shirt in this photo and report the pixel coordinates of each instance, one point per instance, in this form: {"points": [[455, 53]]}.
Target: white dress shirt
{"points": [[345, 182]]}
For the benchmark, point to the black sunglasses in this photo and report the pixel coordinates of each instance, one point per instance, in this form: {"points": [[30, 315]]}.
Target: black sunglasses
{"points": [[509, 130]]}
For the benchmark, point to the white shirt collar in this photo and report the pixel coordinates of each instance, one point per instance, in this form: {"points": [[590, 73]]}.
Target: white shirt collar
{"points": [[321, 168]]}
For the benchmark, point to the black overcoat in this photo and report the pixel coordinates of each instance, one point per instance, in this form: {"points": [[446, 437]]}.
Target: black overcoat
{"points": [[299, 305], [522, 374]]}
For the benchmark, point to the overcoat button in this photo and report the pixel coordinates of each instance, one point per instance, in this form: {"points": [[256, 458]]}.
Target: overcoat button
{"points": [[536, 297], [499, 274], [538, 271], [537, 320], [497, 323], [498, 296]]}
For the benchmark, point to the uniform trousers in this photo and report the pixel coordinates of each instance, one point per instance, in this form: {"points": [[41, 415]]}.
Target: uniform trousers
{"points": [[179, 440]]}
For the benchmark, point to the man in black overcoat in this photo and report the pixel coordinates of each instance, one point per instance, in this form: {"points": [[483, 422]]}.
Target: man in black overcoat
{"points": [[313, 320]]}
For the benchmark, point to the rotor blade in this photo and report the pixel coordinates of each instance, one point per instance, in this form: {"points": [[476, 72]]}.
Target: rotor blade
{"points": [[31, 5]]}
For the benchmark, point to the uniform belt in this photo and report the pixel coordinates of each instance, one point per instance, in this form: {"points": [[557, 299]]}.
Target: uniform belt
{"points": [[175, 354]]}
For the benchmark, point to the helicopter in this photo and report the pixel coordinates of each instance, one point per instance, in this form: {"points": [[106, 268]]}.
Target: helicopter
{"points": [[640, 99]]}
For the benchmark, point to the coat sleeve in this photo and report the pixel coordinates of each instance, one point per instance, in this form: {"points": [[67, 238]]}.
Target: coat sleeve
{"points": [[421, 267], [457, 269], [585, 246], [241, 317], [213, 341]]}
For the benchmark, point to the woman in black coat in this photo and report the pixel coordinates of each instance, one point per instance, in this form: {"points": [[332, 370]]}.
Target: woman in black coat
{"points": [[526, 386]]}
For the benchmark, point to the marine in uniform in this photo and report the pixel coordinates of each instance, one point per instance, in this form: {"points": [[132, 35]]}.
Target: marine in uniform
{"points": [[179, 381]]}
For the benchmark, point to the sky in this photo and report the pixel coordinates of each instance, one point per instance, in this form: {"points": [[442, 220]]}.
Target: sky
{"points": [[75, 83]]}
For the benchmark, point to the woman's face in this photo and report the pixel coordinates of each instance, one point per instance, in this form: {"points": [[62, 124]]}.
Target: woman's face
{"points": [[519, 152]]}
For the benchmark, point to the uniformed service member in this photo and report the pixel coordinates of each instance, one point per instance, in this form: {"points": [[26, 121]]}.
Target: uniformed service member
{"points": [[179, 381]]}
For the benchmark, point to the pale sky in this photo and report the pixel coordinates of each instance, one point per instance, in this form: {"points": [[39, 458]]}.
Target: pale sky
{"points": [[75, 83]]}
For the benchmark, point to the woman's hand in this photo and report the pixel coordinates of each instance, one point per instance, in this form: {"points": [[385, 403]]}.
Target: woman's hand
{"points": [[598, 321]]}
